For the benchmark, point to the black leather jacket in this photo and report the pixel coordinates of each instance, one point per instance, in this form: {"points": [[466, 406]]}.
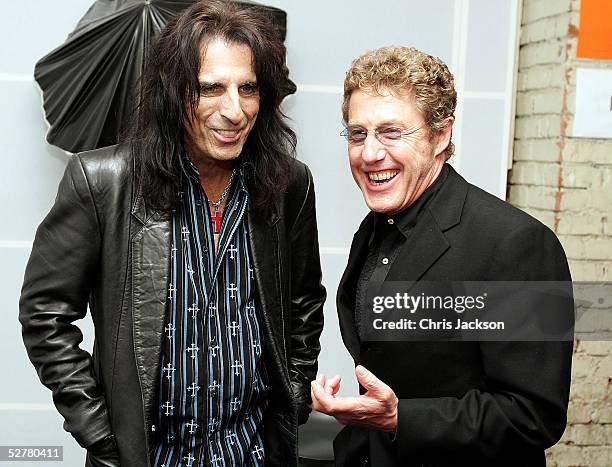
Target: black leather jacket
{"points": [[100, 246]]}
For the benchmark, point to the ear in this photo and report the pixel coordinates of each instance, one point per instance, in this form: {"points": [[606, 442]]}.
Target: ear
{"points": [[443, 137]]}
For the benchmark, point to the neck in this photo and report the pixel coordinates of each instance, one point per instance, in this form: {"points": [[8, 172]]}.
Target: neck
{"points": [[214, 176], [429, 179], [214, 184]]}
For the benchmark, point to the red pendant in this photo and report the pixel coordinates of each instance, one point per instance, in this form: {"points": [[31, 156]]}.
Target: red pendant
{"points": [[216, 220]]}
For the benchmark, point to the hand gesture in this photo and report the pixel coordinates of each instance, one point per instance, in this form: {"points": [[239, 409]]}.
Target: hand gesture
{"points": [[377, 408]]}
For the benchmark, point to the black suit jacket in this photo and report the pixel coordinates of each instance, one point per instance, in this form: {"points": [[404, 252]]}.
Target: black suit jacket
{"points": [[463, 403]]}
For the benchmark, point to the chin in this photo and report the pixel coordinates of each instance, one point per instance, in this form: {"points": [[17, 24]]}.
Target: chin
{"points": [[376, 204], [379, 207], [229, 155], [382, 210]]}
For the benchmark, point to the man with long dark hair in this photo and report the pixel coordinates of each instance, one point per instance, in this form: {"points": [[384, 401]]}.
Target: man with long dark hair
{"points": [[194, 244]]}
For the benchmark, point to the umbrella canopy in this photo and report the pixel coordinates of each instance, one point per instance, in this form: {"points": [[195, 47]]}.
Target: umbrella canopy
{"points": [[88, 83]]}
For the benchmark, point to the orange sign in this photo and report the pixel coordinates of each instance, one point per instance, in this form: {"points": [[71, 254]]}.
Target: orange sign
{"points": [[595, 32]]}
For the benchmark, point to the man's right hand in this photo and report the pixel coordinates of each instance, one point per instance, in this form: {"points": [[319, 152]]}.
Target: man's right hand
{"points": [[377, 408]]}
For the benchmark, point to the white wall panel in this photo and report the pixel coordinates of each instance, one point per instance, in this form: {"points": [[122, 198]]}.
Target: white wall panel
{"points": [[486, 54], [483, 162], [334, 358], [316, 117], [30, 426], [323, 37], [31, 168], [32, 28]]}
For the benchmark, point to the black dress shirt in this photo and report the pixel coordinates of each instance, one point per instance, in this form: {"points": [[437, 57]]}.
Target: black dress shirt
{"points": [[389, 235]]}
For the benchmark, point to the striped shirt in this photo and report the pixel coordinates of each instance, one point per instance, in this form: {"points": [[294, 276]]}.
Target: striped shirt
{"points": [[213, 383]]}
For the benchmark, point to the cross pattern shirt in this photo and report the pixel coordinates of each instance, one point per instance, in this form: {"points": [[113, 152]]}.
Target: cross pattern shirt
{"points": [[213, 382]]}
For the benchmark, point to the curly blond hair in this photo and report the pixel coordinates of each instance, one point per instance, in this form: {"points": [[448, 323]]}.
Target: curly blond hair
{"points": [[401, 70]]}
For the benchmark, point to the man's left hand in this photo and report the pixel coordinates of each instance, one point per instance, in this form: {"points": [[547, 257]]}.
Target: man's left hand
{"points": [[377, 408]]}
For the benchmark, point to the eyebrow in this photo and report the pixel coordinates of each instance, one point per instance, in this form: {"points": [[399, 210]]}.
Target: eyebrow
{"points": [[210, 83], [219, 83], [387, 123], [393, 123]]}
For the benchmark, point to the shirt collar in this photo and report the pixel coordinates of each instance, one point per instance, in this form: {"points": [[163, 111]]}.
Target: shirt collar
{"points": [[190, 168], [405, 220], [193, 173]]}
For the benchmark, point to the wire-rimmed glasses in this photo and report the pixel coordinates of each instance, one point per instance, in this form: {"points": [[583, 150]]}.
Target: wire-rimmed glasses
{"points": [[387, 134]]}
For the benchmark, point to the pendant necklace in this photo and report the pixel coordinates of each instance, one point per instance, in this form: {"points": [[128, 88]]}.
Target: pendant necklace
{"points": [[216, 206]]}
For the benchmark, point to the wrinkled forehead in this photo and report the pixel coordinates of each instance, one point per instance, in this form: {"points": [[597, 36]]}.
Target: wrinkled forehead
{"points": [[374, 89], [385, 91], [385, 105], [222, 58]]}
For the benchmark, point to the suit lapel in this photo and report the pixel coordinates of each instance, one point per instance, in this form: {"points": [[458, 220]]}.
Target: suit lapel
{"points": [[428, 242], [345, 299], [264, 243], [150, 273], [424, 246]]}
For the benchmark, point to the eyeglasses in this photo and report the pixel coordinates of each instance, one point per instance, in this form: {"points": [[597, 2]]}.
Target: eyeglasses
{"points": [[387, 135]]}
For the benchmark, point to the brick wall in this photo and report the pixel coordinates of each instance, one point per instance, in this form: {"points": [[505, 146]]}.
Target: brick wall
{"points": [[566, 183]]}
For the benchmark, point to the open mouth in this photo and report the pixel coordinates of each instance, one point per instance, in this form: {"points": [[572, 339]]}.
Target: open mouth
{"points": [[382, 177], [227, 136]]}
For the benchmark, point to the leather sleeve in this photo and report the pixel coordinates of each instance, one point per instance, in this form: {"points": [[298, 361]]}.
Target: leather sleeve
{"points": [[307, 298], [527, 383], [58, 279], [103, 453]]}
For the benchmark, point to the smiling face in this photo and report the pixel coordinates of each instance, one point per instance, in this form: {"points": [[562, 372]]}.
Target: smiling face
{"points": [[393, 176], [227, 107]]}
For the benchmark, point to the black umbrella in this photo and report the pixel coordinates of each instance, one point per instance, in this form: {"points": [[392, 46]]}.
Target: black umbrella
{"points": [[89, 81]]}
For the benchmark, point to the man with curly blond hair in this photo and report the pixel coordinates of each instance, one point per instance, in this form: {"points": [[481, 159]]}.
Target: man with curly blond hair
{"points": [[439, 400]]}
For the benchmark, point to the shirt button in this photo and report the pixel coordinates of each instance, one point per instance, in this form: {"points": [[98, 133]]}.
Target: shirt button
{"points": [[390, 221], [385, 260], [198, 203]]}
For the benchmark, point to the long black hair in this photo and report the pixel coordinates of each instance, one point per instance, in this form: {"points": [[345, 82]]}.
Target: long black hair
{"points": [[169, 94]]}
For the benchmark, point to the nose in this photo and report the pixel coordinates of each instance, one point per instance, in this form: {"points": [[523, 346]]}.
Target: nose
{"points": [[231, 107], [373, 150]]}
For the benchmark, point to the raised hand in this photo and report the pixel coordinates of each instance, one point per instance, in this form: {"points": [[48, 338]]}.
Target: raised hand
{"points": [[377, 408]]}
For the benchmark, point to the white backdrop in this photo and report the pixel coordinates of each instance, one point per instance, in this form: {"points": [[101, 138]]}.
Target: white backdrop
{"points": [[477, 38]]}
